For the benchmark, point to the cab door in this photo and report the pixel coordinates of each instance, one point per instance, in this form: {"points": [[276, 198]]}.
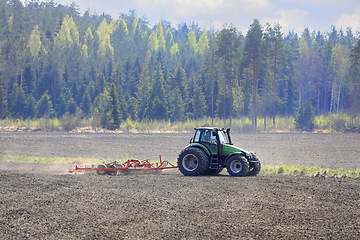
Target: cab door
{"points": [[208, 138]]}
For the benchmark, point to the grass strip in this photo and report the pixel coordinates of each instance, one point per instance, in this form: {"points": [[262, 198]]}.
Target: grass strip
{"points": [[267, 169], [309, 170]]}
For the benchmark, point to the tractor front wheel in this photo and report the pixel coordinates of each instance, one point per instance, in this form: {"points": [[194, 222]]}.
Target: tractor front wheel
{"points": [[192, 162], [254, 169], [237, 166]]}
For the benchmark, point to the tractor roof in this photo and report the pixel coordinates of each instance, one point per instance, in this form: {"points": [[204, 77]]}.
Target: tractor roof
{"points": [[211, 128]]}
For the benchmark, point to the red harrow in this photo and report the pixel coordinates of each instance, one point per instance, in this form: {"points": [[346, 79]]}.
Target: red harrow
{"points": [[130, 165]]}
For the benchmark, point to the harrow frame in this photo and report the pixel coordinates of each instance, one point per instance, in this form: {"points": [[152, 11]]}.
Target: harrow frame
{"points": [[129, 165]]}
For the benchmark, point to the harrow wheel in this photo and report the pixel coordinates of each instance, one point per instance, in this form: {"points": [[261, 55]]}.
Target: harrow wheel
{"points": [[102, 171]]}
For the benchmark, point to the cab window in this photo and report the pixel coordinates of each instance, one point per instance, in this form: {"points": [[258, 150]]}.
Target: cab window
{"points": [[223, 138], [197, 136], [206, 136]]}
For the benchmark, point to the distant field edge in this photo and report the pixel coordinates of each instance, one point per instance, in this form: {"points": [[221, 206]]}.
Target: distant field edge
{"points": [[297, 170]]}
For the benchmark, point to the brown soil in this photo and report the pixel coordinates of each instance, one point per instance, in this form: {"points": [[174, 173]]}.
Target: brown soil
{"points": [[44, 202]]}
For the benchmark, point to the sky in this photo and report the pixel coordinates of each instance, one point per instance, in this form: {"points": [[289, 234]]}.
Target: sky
{"points": [[318, 15]]}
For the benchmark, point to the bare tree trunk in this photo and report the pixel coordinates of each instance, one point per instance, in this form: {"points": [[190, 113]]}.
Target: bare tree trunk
{"points": [[6, 80], [230, 88], [54, 76], [254, 122], [212, 90], [265, 88], [224, 90], [318, 97], [300, 95], [21, 70], [326, 91], [338, 100], [332, 98], [274, 101]]}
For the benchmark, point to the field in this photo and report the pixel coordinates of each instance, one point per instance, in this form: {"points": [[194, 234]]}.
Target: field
{"points": [[43, 201]]}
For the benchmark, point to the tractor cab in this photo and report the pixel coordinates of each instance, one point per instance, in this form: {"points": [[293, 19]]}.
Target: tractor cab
{"points": [[212, 138], [211, 150]]}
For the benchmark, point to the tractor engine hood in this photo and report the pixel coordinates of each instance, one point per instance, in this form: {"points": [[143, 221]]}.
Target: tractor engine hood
{"points": [[230, 149]]}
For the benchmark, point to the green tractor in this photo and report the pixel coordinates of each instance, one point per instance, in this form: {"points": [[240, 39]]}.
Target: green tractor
{"points": [[211, 150]]}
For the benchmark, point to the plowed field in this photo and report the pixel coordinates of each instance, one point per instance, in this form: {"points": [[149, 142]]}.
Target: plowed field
{"points": [[39, 201]]}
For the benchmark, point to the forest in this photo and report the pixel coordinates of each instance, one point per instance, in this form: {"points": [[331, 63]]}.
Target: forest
{"points": [[56, 63]]}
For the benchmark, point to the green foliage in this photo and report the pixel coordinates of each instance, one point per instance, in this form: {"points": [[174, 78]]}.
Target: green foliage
{"points": [[3, 105], [86, 104], [243, 124], [30, 111], [44, 106], [49, 124], [309, 171], [305, 118], [61, 106], [163, 73], [19, 103], [157, 104], [115, 117], [101, 112], [68, 122], [71, 106], [177, 110]]}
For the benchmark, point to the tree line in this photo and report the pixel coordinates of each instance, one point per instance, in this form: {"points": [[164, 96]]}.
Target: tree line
{"points": [[55, 62]]}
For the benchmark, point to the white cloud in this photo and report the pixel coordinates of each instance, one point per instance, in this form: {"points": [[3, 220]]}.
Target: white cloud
{"points": [[322, 3], [290, 14], [293, 19], [349, 20]]}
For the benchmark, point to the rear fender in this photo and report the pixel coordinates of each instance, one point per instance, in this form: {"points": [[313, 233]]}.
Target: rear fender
{"points": [[198, 145]]}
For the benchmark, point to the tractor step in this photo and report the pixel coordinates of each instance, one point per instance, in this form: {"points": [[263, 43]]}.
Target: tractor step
{"points": [[214, 162]]}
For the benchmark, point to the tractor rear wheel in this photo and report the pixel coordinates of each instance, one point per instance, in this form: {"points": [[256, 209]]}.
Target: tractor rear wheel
{"points": [[237, 166], [102, 171], [193, 162]]}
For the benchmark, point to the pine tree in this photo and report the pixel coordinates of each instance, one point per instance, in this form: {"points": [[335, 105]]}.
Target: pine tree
{"points": [[115, 117], [252, 50], [11, 101], [19, 104], [179, 80], [157, 108], [199, 102], [143, 92], [61, 106], [3, 105], [305, 119], [71, 106], [290, 98], [30, 108], [176, 103], [227, 45], [44, 106], [86, 104]]}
